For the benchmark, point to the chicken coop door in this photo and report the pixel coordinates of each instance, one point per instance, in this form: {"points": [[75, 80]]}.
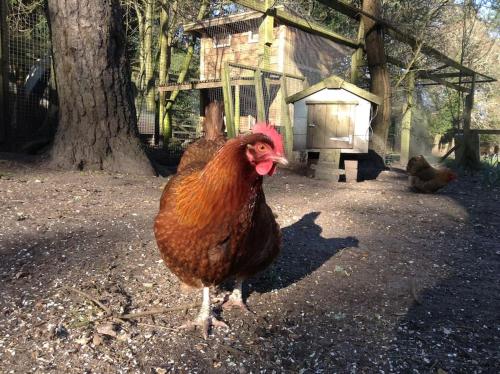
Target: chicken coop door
{"points": [[330, 124]]}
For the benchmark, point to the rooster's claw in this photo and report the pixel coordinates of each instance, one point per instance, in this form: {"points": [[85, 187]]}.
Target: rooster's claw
{"points": [[204, 324]]}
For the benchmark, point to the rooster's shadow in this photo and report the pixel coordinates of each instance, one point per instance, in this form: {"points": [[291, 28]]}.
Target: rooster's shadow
{"points": [[304, 251]]}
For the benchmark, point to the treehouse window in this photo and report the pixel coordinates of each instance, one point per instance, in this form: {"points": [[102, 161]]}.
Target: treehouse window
{"points": [[222, 40]]}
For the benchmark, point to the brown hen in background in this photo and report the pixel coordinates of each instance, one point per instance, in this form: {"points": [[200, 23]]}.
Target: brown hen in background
{"points": [[425, 178]]}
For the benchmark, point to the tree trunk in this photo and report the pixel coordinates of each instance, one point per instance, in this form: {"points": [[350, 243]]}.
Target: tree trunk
{"points": [[97, 123], [380, 81]]}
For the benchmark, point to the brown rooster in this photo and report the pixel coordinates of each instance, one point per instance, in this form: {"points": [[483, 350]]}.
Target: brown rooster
{"points": [[214, 222], [425, 178]]}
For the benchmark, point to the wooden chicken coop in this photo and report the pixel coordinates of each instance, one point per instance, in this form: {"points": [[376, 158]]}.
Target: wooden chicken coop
{"points": [[332, 114], [330, 118], [253, 62]]}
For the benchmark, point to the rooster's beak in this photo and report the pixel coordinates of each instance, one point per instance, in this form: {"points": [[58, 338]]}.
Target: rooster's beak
{"points": [[280, 160]]}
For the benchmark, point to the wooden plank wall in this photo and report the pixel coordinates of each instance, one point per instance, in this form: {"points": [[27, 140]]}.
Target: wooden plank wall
{"points": [[242, 51]]}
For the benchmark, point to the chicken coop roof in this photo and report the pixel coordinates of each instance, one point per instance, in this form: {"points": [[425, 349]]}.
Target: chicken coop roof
{"points": [[334, 82], [200, 26]]}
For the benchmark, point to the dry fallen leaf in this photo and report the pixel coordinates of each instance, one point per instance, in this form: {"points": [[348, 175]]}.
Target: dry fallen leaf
{"points": [[83, 340], [107, 329], [97, 340]]}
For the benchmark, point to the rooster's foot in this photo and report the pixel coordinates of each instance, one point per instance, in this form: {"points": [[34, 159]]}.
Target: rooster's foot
{"points": [[204, 323], [205, 318], [235, 300], [233, 303]]}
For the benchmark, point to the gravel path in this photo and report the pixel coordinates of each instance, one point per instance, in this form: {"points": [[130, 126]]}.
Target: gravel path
{"points": [[372, 279]]}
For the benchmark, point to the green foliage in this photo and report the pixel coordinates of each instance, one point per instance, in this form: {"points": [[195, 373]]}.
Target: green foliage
{"points": [[443, 119], [325, 16], [187, 103], [491, 171]]}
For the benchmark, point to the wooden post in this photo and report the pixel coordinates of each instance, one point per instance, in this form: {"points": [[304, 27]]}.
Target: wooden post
{"points": [[228, 100], [328, 165], [357, 56], [470, 155], [259, 96], [285, 119], [237, 109], [4, 71], [266, 36], [407, 117]]}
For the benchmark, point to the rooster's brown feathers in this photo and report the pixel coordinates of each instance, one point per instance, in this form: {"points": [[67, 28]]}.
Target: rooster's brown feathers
{"points": [[425, 178], [214, 222]]}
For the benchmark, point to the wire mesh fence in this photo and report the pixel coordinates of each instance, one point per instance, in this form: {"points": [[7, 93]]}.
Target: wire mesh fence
{"points": [[228, 40], [29, 71]]}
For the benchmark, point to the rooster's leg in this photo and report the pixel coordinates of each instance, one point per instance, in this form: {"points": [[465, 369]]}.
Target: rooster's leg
{"points": [[205, 318], [236, 298]]}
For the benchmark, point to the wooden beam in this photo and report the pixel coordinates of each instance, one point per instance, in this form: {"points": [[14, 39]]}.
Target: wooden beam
{"points": [[266, 37], [470, 156], [357, 56], [259, 96], [312, 28], [206, 84], [453, 149], [285, 119], [466, 82], [398, 34], [475, 81], [424, 74], [237, 105], [440, 75], [298, 22], [486, 131], [258, 6], [200, 26], [444, 82], [227, 92], [343, 8], [253, 68]]}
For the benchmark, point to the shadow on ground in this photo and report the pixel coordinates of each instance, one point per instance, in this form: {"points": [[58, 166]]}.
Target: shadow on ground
{"points": [[451, 326], [304, 251]]}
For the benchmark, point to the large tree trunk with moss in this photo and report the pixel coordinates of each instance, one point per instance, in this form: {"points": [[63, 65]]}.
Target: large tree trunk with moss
{"points": [[380, 81], [97, 122]]}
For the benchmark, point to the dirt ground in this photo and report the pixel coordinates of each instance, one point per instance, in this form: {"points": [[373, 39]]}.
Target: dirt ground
{"points": [[373, 278]]}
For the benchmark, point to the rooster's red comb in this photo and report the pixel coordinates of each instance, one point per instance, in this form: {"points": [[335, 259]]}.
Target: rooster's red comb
{"points": [[270, 131]]}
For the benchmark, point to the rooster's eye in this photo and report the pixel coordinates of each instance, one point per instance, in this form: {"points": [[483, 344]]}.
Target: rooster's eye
{"points": [[261, 148]]}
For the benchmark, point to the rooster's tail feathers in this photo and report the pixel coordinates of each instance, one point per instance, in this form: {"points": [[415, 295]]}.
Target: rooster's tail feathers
{"points": [[213, 124]]}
